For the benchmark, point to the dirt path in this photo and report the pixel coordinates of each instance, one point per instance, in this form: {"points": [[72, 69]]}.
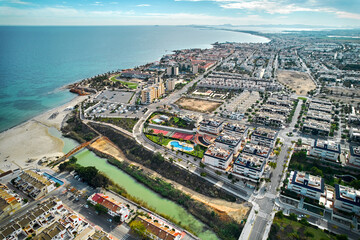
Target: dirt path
{"points": [[235, 210]]}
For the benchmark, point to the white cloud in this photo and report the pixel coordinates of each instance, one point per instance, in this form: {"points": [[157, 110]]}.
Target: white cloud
{"points": [[341, 14], [19, 2], [271, 7], [280, 7], [143, 5]]}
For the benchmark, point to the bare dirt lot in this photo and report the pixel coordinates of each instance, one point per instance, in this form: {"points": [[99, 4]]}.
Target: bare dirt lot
{"points": [[298, 81], [197, 105]]}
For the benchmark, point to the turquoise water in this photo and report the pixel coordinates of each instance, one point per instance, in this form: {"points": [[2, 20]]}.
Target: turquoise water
{"points": [[35, 62], [50, 177], [177, 145]]}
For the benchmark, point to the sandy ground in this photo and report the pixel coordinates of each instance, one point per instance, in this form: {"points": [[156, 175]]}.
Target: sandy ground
{"points": [[31, 140], [235, 210], [197, 104], [298, 81]]}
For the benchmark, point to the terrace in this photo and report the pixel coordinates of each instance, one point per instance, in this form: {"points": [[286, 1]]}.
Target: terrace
{"points": [[236, 128], [257, 150], [218, 152], [250, 161], [228, 140], [265, 133], [327, 145]]}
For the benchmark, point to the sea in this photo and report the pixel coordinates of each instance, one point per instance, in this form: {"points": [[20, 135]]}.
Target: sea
{"points": [[37, 62]]}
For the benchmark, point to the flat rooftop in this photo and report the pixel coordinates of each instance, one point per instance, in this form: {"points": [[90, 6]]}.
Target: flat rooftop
{"points": [[211, 122], [265, 133], [347, 194], [327, 145], [228, 139], [258, 150], [306, 180], [250, 161], [355, 151], [238, 128], [218, 152]]}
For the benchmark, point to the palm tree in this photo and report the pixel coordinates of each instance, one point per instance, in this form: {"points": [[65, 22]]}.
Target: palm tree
{"points": [[161, 137]]}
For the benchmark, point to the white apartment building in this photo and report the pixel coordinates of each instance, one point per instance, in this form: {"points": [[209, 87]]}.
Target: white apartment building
{"points": [[218, 157], [347, 199], [257, 150], [325, 149], [250, 167], [236, 130], [228, 142], [264, 136], [306, 185], [354, 155], [211, 126]]}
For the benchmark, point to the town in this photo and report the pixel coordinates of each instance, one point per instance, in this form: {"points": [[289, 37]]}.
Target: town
{"points": [[273, 127]]}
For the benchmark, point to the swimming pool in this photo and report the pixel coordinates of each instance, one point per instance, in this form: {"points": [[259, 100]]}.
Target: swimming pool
{"points": [[180, 146], [53, 178]]}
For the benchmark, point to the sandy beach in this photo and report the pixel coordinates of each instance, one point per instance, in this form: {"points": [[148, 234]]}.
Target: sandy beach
{"points": [[31, 140]]}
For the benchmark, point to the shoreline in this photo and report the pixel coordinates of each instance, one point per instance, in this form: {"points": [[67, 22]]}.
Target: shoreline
{"points": [[31, 139]]}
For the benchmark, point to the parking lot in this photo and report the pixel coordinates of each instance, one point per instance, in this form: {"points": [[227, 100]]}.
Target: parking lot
{"points": [[109, 109], [115, 96]]}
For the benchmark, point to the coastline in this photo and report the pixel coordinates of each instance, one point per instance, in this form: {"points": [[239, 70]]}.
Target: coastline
{"points": [[31, 139]]}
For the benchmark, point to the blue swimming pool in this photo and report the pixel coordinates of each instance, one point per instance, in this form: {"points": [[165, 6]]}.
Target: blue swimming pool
{"points": [[178, 145], [50, 177]]}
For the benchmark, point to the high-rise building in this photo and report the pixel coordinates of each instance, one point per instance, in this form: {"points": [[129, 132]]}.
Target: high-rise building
{"points": [[172, 71], [195, 69], [170, 84], [155, 91]]}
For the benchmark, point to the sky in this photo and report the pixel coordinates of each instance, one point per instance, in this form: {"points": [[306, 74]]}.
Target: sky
{"points": [[335, 13]]}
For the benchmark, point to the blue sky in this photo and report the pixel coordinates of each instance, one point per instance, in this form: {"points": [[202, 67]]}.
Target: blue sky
{"points": [[337, 13]]}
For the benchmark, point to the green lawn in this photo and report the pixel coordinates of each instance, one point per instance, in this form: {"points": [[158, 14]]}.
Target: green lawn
{"points": [[285, 228], [131, 85], [156, 139]]}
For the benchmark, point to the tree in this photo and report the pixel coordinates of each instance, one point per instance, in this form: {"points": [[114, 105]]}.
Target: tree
{"points": [[299, 142], [341, 237], [100, 208], [138, 228], [117, 219], [293, 216], [151, 131], [161, 137], [279, 214]]}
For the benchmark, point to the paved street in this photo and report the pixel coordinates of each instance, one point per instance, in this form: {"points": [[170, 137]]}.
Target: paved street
{"points": [[266, 203]]}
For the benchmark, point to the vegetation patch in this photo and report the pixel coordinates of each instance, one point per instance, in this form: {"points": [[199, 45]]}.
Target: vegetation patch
{"points": [[288, 227], [130, 85], [174, 121], [125, 123]]}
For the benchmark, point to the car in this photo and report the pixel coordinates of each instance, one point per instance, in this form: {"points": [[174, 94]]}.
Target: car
{"points": [[109, 220], [86, 206]]}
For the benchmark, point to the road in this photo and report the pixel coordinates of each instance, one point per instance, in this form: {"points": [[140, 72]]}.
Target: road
{"points": [[266, 202]]}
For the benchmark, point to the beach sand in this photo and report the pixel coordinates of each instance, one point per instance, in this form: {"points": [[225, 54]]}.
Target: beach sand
{"points": [[31, 140]]}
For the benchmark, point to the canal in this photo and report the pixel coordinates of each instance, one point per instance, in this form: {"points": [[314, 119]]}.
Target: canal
{"points": [[136, 189]]}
